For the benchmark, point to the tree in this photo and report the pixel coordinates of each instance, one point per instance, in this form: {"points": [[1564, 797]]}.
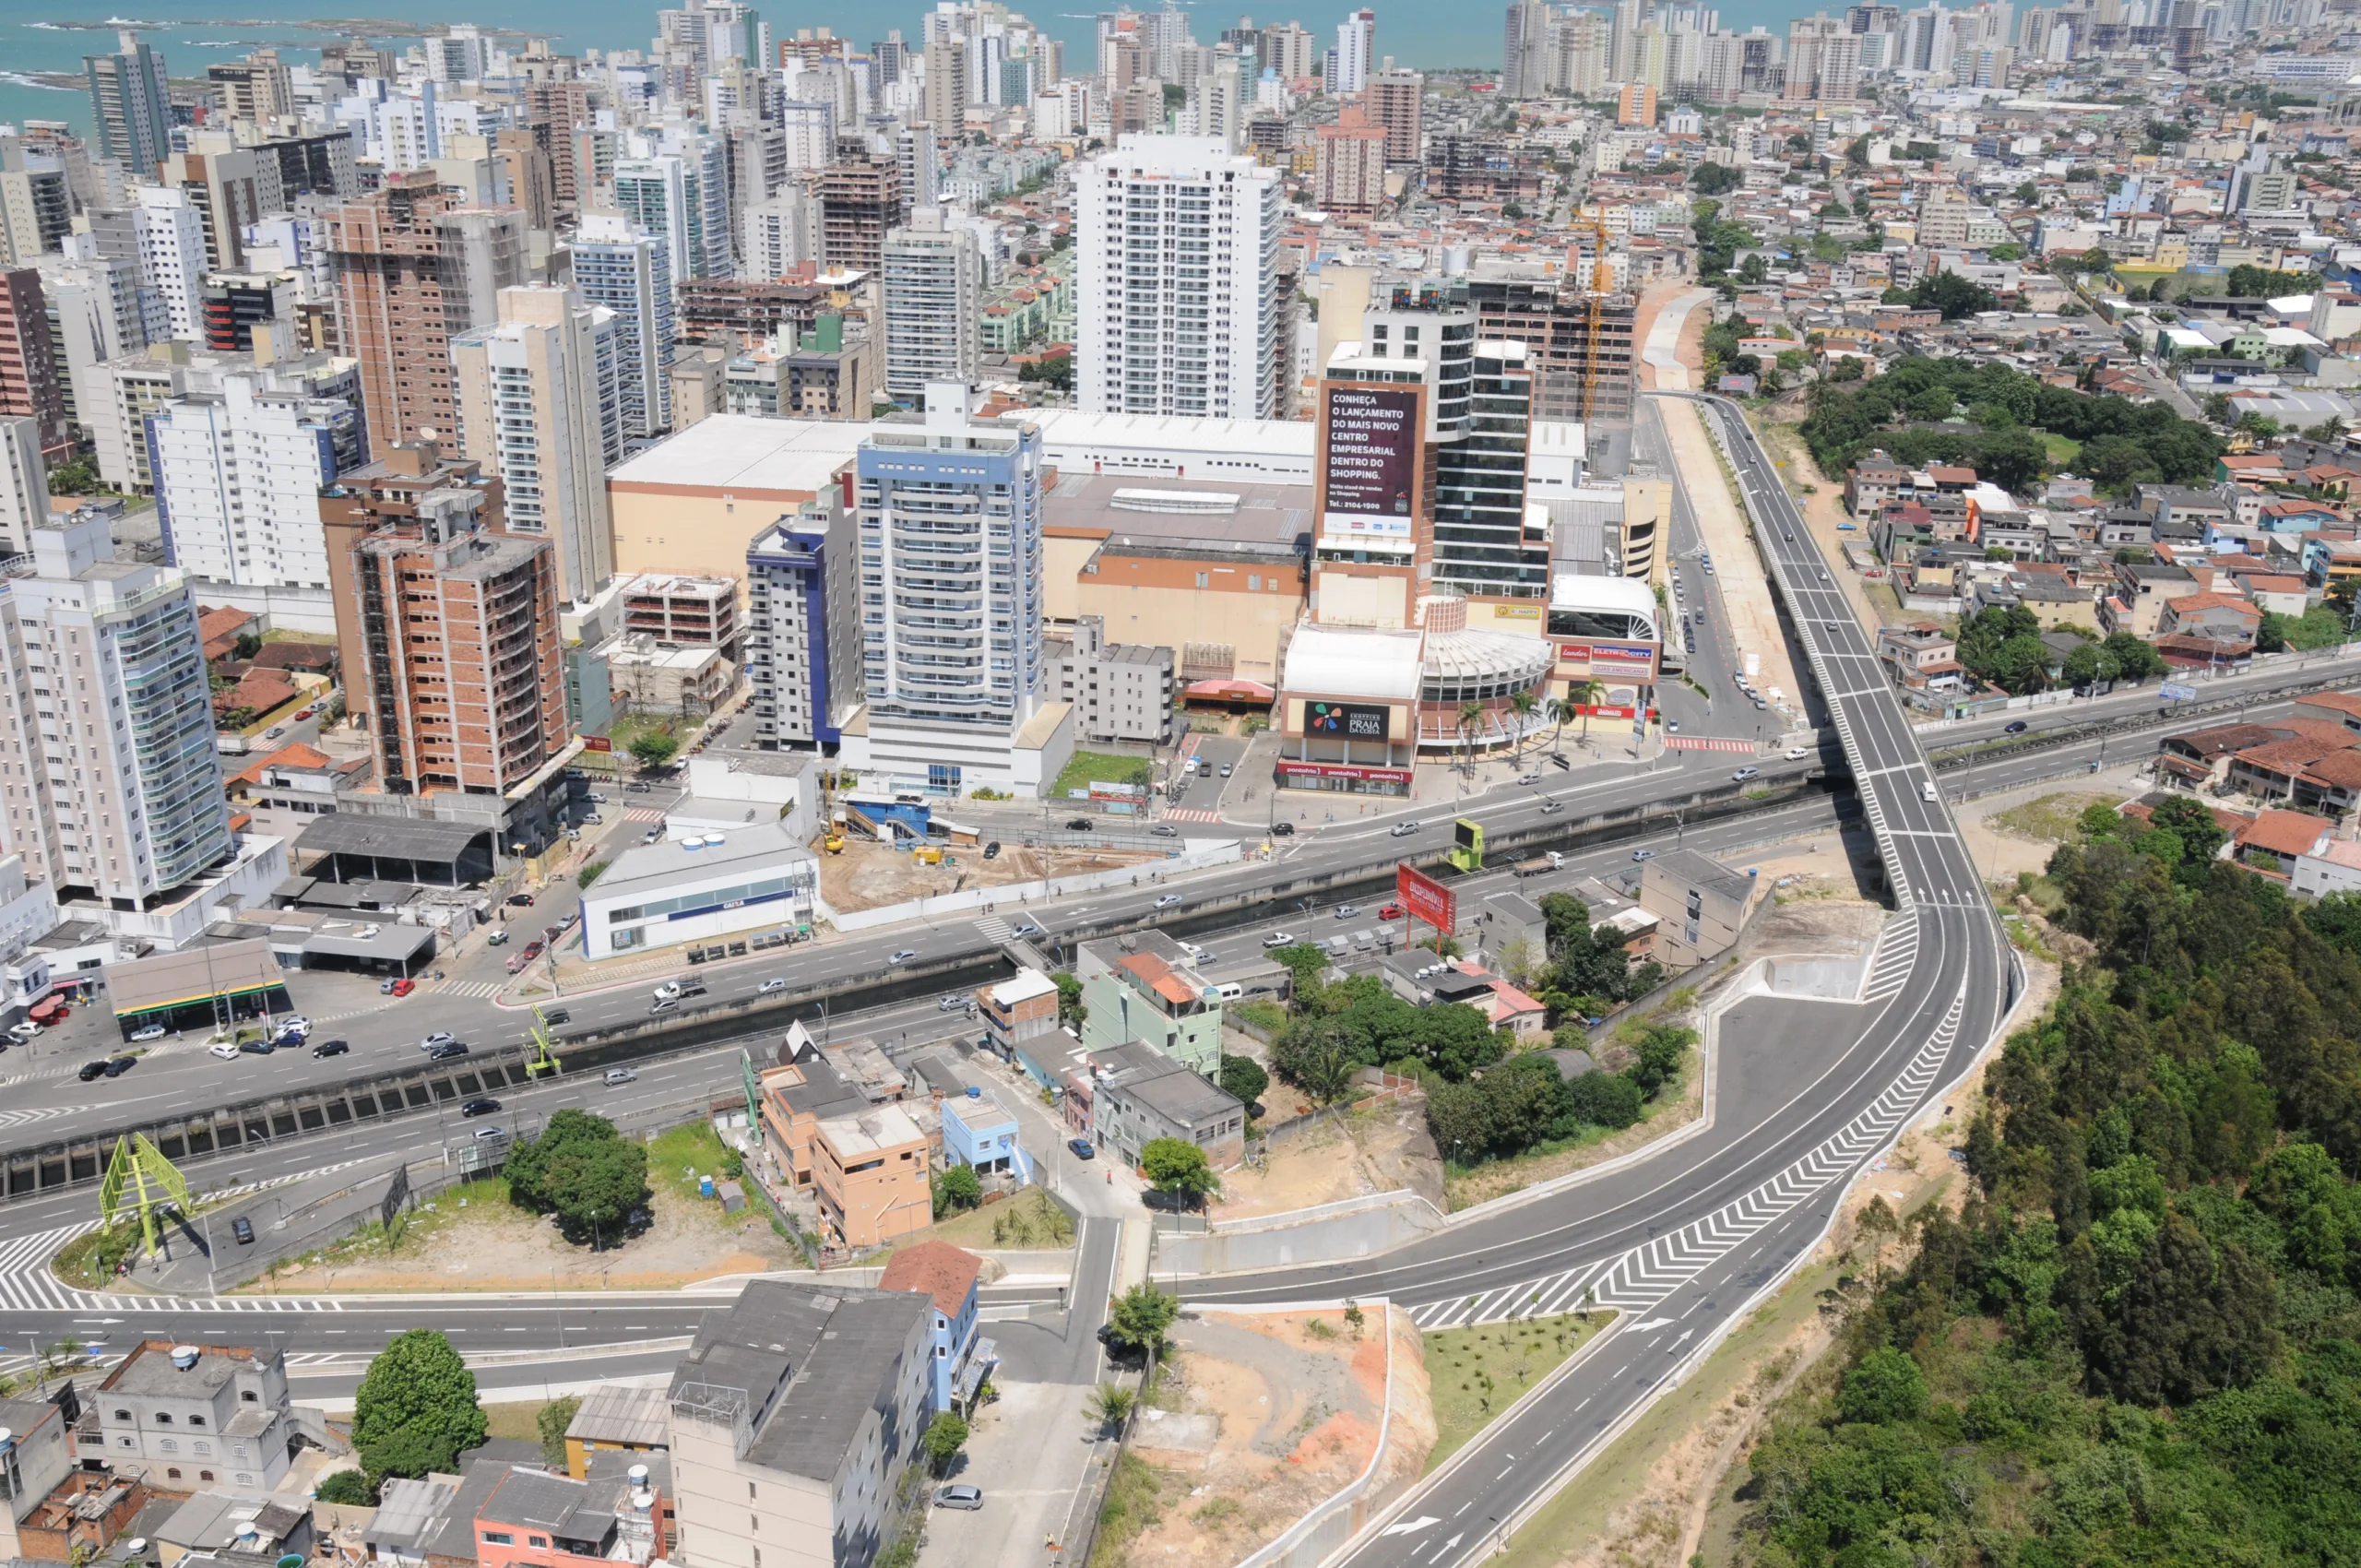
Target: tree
{"points": [[946, 1435], [1662, 1049], [1316, 1055], [2136, 659], [2187, 820], [1071, 1011], [1714, 179], [1136, 1320], [416, 1409], [1243, 1079], [1307, 962], [1110, 1405], [1180, 1168], [1953, 295], [653, 751], [349, 1487], [583, 1172], [553, 1421], [1885, 1387], [957, 1191]]}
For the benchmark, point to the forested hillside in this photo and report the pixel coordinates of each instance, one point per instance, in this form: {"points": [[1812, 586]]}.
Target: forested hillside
{"points": [[2141, 1341]]}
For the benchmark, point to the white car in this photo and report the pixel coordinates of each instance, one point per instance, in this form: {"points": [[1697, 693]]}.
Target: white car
{"points": [[771, 987], [22, 1032], [440, 1036], [1168, 900], [1794, 753], [153, 1032], [1277, 939], [1404, 829], [902, 957], [222, 1049]]}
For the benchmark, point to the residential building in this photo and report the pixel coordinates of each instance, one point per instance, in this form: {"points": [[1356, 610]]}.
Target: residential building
{"points": [[617, 267], [981, 1133], [231, 187], [218, 1415], [795, 1414], [1524, 71], [678, 609], [1355, 57], [1397, 101], [1119, 690], [170, 230], [618, 1419], [24, 485], [2141, 591], [258, 88], [860, 203], [1020, 1018], [932, 274], [414, 269], [30, 387], [449, 633], [238, 477], [1177, 289], [1579, 373], [1142, 987], [1701, 906], [1923, 655], [1140, 1095], [946, 1276], [803, 636], [779, 235], [825, 373], [529, 1518], [950, 513], [94, 304], [1349, 164], [535, 403], [130, 105], [116, 796], [39, 1460]]}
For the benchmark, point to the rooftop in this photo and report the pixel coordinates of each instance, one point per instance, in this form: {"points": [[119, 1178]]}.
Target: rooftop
{"points": [[936, 1269], [746, 456], [652, 867]]}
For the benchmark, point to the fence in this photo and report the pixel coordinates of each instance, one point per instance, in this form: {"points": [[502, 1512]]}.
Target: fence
{"points": [[981, 899]]}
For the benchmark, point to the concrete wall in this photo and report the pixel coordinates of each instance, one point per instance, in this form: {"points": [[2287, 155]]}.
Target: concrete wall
{"points": [[1831, 979], [1358, 1228]]}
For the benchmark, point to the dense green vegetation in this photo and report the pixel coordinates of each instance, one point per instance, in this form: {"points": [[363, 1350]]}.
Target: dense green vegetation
{"points": [[2123, 443], [2141, 1341], [2002, 645], [2251, 282], [580, 1170], [1949, 293]]}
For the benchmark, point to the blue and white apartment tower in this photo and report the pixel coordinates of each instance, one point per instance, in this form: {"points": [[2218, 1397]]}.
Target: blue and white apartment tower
{"points": [[951, 604]]}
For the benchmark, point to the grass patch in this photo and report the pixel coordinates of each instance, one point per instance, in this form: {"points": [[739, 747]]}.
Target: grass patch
{"points": [[1029, 1219], [1477, 1372], [520, 1419], [88, 1260], [1136, 1499], [1268, 1016], [2054, 817], [629, 727], [678, 1155], [1104, 768], [2062, 449]]}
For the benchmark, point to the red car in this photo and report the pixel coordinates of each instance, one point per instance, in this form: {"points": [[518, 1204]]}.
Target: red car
{"points": [[306, 712], [1390, 912], [402, 988]]}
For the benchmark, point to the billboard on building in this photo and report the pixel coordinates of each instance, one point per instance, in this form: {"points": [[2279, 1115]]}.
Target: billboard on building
{"points": [[1368, 460], [1598, 659], [1424, 898], [1348, 720]]}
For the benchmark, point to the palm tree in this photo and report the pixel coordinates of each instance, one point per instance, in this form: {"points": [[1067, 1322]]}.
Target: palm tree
{"points": [[1523, 705], [1584, 695], [1471, 724]]}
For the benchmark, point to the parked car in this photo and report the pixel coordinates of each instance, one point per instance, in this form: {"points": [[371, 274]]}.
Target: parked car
{"points": [[969, 1497], [439, 1037], [991, 850], [1168, 900], [153, 1032], [333, 1048], [621, 1076], [651, 835], [447, 1052], [518, 901], [23, 1032], [242, 1230], [220, 1047], [480, 1108], [1404, 829], [304, 713], [1083, 1148], [259, 1046], [99, 1070]]}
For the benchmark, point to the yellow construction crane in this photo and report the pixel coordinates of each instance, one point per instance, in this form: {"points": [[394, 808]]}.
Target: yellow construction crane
{"points": [[1602, 282]]}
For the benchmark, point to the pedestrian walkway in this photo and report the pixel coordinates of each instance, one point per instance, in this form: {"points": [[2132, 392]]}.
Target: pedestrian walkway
{"points": [[469, 988], [643, 813], [1191, 813], [996, 930], [1706, 743]]}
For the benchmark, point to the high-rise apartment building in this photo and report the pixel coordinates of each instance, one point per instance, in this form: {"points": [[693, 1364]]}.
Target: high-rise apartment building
{"points": [[130, 105], [231, 187], [449, 634], [414, 267], [1525, 51], [1287, 50], [170, 230], [257, 89], [238, 476], [36, 203], [1349, 164], [30, 387], [1355, 51], [860, 203], [934, 286], [1577, 375], [920, 165], [109, 784], [779, 235], [803, 628], [946, 85], [538, 406], [629, 273], [24, 485], [952, 597], [1397, 101], [682, 198], [1177, 290]]}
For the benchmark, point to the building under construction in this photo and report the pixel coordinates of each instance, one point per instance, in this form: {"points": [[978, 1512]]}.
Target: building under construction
{"points": [[1580, 344]]}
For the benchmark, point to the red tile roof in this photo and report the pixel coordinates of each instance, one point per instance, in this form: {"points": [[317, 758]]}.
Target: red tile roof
{"points": [[936, 1269], [2282, 832]]}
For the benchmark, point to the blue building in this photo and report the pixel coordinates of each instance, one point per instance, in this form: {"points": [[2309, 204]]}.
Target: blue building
{"points": [[978, 1131], [804, 629], [962, 1356]]}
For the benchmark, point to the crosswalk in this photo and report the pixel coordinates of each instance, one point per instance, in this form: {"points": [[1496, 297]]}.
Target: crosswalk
{"points": [[995, 930], [642, 814], [1706, 743], [1191, 813], [469, 988], [1646, 1275]]}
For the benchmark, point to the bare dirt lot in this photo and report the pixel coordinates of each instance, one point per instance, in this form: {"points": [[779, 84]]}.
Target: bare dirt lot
{"points": [[869, 875], [492, 1245], [1382, 1149], [1295, 1410]]}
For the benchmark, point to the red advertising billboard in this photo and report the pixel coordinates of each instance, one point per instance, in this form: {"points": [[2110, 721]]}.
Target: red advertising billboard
{"points": [[1579, 656], [1368, 460], [597, 744], [1424, 898]]}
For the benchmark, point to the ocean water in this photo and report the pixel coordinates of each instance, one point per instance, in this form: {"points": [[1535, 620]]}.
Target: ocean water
{"points": [[195, 33]]}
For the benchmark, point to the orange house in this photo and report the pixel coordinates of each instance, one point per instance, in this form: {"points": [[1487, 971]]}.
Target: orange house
{"points": [[871, 1172]]}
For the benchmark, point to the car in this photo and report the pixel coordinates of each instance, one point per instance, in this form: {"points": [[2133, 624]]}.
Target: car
{"points": [[518, 901], [496, 938], [402, 987], [2017, 726], [23, 1032], [1532, 777], [902, 955], [1824, 576], [668, 992], [772, 986], [1926, 790], [991, 850], [485, 1135], [242, 1230], [1224, 770], [1077, 825], [259, 1046], [635, 788], [1028, 928], [222, 1049], [1083, 1148], [119, 1066], [1165, 830], [1347, 911], [99, 1070], [439, 1037], [480, 1108], [1390, 912], [1278, 939], [1643, 854], [447, 1052], [663, 1004], [153, 1032], [1404, 829], [304, 713], [651, 835], [969, 1497], [1552, 806], [1743, 774], [1168, 900], [557, 1016], [1791, 537], [949, 1000], [599, 798], [333, 1048], [1283, 830], [1795, 754], [295, 1021], [615, 1076], [275, 731], [534, 949], [1672, 726]]}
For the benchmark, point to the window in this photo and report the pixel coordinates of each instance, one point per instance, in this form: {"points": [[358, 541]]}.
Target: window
{"points": [[250, 1397], [499, 1537], [205, 1475], [537, 1540], [123, 1415], [163, 1418], [174, 1473], [196, 1421]]}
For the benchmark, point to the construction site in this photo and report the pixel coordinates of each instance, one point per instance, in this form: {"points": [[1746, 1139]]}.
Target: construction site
{"points": [[881, 851]]}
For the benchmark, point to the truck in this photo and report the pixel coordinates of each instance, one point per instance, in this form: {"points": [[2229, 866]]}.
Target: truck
{"points": [[1539, 865]]}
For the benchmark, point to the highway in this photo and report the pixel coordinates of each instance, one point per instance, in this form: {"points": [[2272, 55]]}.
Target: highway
{"points": [[1682, 1245]]}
